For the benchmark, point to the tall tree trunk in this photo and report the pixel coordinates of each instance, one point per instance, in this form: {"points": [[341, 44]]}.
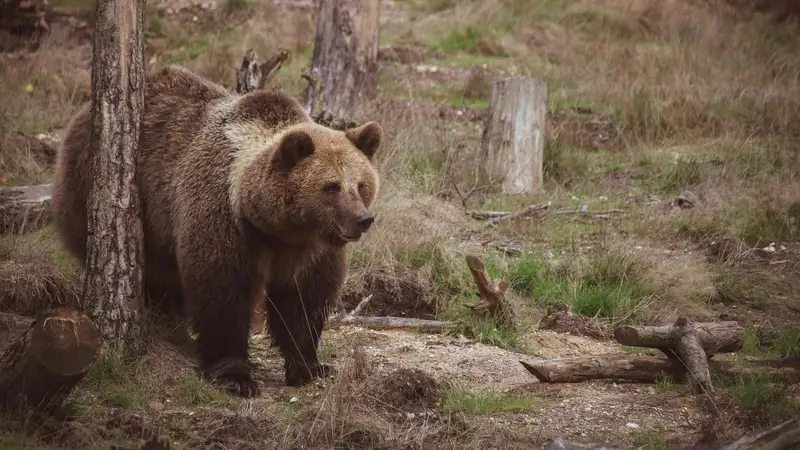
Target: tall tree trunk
{"points": [[114, 263], [345, 58]]}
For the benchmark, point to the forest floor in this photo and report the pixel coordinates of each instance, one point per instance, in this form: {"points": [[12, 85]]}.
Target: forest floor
{"points": [[647, 99]]}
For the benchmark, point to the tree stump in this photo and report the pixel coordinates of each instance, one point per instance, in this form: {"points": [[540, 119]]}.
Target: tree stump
{"points": [[345, 59], [514, 137], [40, 368], [113, 284], [715, 337], [24, 208]]}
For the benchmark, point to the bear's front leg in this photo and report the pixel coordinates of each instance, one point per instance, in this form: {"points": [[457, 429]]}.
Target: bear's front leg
{"points": [[297, 310], [219, 289]]}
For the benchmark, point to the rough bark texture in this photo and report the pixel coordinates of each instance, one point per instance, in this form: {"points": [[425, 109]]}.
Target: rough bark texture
{"points": [[42, 366], [491, 295], [688, 347], [252, 75], [715, 337], [24, 208], [643, 369], [513, 140], [113, 282], [345, 57]]}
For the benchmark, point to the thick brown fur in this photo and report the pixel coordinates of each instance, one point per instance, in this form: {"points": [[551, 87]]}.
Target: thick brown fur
{"points": [[239, 194]]}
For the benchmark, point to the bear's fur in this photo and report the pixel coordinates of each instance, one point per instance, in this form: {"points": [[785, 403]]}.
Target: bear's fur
{"points": [[239, 194]]}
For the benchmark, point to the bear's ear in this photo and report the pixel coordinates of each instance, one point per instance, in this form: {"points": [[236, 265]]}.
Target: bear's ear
{"points": [[366, 138], [294, 147]]}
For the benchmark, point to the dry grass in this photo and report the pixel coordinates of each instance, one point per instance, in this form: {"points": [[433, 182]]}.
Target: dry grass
{"points": [[632, 84]]}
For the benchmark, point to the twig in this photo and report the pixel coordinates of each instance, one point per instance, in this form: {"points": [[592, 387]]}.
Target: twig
{"points": [[357, 310], [493, 217]]}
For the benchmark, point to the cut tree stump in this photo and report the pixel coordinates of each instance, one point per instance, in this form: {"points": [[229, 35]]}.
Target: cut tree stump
{"points": [[491, 295], [24, 208], [42, 366], [514, 137], [642, 369], [345, 59], [715, 337]]}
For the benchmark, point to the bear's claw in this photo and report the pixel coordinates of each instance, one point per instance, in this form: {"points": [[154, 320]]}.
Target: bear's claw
{"points": [[300, 374], [236, 375]]}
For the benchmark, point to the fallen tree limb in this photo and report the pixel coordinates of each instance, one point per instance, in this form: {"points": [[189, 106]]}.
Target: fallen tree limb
{"points": [[494, 217], [394, 323], [42, 366], [715, 337], [24, 208], [642, 369], [687, 345], [781, 436]]}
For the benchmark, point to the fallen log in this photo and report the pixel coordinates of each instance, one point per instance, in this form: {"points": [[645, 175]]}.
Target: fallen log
{"points": [[782, 436], [394, 323], [42, 366], [642, 369], [687, 345], [715, 337], [24, 208]]}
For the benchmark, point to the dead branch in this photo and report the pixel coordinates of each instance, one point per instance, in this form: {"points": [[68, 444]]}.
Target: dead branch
{"points": [[688, 347], [42, 366], [494, 217], [393, 323], [644, 369], [562, 444], [251, 76], [715, 337], [491, 295], [24, 208], [781, 436]]}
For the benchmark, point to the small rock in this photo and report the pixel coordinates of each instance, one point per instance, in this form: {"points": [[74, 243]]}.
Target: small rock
{"points": [[687, 199], [293, 400], [631, 425], [156, 406]]}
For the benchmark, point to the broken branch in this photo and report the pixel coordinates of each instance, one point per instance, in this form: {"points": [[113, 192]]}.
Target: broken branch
{"points": [[251, 76], [491, 295]]}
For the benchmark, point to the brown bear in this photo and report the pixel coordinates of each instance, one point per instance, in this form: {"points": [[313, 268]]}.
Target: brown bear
{"points": [[239, 194]]}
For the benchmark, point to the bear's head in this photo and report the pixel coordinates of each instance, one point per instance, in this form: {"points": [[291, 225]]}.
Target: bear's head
{"points": [[314, 184]]}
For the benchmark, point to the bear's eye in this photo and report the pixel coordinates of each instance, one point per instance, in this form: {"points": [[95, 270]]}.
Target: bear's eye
{"points": [[332, 187]]}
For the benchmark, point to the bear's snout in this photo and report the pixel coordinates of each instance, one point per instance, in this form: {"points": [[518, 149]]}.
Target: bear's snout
{"points": [[364, 221]]}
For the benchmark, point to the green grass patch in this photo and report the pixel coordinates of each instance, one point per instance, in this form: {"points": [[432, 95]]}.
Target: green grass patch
{"points": [[197, 391], [113, 379], [459, 399], [762, 399], [607, 287], [652, 438]]}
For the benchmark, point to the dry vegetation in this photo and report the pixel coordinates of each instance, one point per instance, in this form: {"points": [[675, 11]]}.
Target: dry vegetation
{"points": [[648, 98]]}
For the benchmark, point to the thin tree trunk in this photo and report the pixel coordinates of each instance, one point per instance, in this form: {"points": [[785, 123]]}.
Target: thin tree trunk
{"points": [[345, 58], [113, 283]]}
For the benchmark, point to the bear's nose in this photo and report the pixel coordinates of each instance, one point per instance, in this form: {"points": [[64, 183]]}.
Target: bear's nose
{"points": [[364, 220]]}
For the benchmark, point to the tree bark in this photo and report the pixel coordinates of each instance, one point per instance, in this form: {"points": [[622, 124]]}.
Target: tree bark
{"points": [[642, 369], [513, 140], [687, 345], [715, 337], [252, 76], [24, 208], [491, 295], [345, 58], [42, 366], [782, 436], [113, 282]]}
